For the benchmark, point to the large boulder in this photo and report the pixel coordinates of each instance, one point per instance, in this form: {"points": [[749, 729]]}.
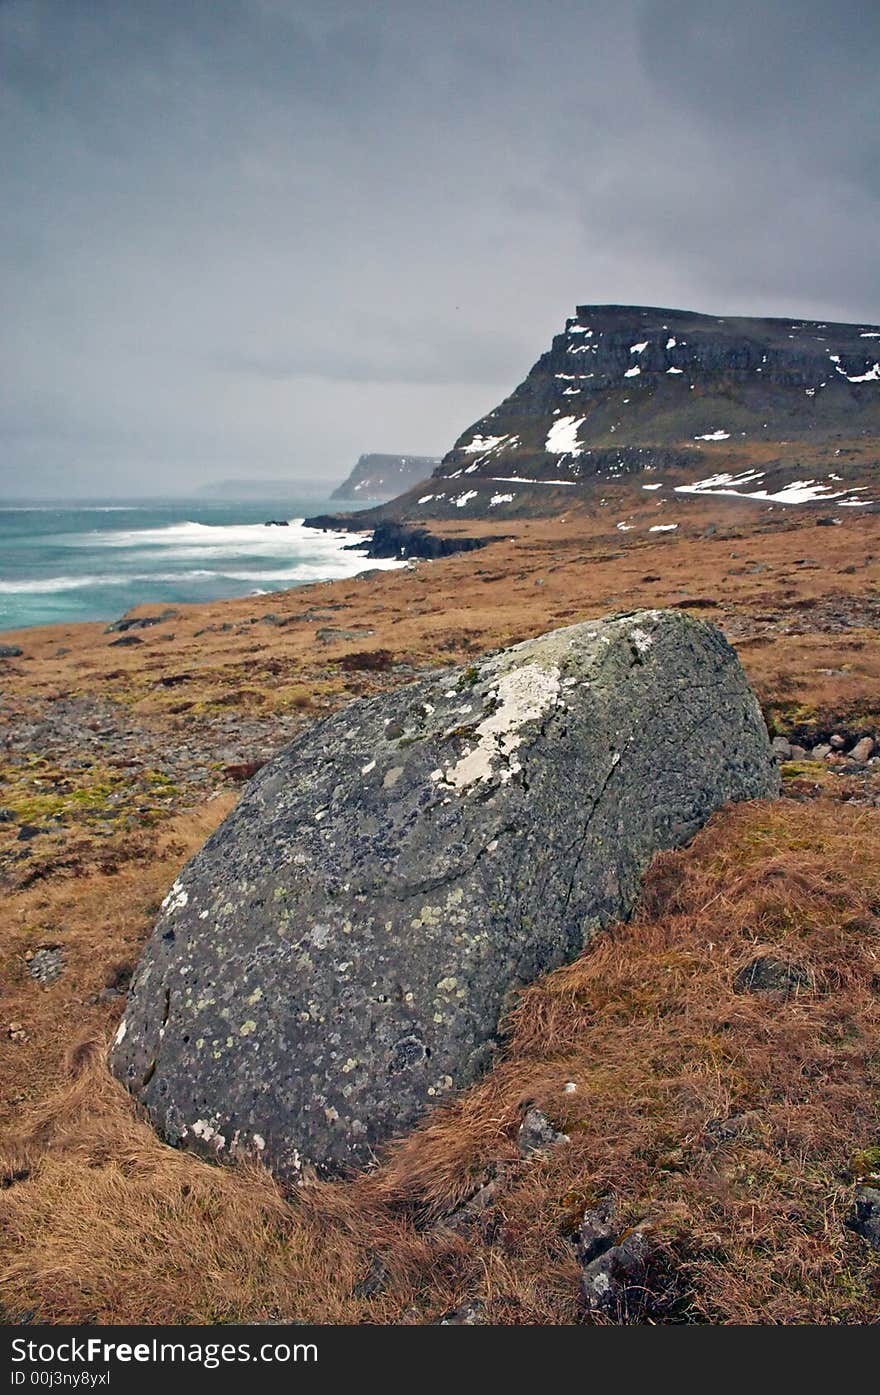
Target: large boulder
{"points": [[337, 957]]}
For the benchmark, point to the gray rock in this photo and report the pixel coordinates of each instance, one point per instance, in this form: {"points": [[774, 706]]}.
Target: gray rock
{"points": [[819, 752], [328, 635], [598, 1231], [862, 750], [10, 651], [537, 1133], [616, 1283], [864, 1218], [481, 1198], [467, 1315], [337, 957], [781, 748], [46, 965]]}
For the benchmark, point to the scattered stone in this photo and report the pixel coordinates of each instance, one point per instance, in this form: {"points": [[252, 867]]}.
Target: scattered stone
{"points": [[327, 635], [27, 831], [143, 622], [798, 752], [536, 1133], [617, 1283], [471, 1314], [46, 965], [279, 620], [838, 742], [819, 752], [864, 1218], [337, 958], [767, 974], [16, 1032], [125, 642], [480, 1199], [6, 816], [734, 1126], [276, 523], [862, 750], [781, 748], [10, 651], [597, 1230]]}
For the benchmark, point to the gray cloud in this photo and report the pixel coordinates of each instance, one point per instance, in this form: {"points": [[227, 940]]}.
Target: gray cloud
{"points": [[264, 235]]}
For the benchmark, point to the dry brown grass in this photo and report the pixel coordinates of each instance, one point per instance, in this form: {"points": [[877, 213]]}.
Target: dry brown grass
{"points": [[101, 1222], [104, 1223]]}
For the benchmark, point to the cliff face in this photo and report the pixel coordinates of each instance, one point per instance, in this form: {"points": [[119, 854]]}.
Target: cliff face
{"points": [[376, 478], [768, 404]]}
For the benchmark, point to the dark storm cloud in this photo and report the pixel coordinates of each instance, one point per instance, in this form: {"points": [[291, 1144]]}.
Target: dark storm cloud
{"points": [[264, 235]]}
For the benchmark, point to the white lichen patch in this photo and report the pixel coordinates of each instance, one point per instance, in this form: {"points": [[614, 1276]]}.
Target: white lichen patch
{"points": [[522, 695], [120, 1034], [208, 1134], [176, 899]]}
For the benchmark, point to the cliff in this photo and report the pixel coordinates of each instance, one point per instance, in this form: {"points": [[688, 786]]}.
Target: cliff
{"points": [[775, 409], [380, 477]]}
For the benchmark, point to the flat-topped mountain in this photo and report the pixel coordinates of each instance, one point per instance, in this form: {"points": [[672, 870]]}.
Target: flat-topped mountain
{"points": [[777, 409], [380, 477]]}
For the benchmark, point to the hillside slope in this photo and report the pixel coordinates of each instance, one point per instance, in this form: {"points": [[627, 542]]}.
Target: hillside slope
{"points": [[782, 410]]}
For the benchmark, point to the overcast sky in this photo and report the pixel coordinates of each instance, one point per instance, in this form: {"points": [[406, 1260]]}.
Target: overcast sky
{"points": [[257, 237]]}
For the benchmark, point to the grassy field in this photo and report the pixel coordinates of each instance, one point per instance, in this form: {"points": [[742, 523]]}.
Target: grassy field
{"points": [[736, 1124]]}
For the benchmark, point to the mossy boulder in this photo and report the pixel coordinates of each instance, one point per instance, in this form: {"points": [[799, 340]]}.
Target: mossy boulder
{"points": [[339, 955]]}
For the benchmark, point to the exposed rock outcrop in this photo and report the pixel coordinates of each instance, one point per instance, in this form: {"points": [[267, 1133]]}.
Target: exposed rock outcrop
{"points": [[338, 956], [786, 410], [391, 539]]}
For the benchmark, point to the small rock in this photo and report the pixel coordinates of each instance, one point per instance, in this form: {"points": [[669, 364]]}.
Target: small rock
{"points": [[16, 1032], [819, 752], [10, 651], [838, 742], [141, 622], [479, 1200], [769, 975], [781, 748], [864, 1218], [46, 965], [862, 750], [537, 1133], [468, 1315], [125, 641], [798, 752], [734, 1126], [615, 1284], [328, 635], [27, 831], [597, 1231]]}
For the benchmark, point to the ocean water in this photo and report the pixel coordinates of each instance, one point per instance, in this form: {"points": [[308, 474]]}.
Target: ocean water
{"points": [[70, 562]]}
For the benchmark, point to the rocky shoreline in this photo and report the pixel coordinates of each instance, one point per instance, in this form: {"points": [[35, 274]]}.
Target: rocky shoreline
{"points": [[389, 539]]}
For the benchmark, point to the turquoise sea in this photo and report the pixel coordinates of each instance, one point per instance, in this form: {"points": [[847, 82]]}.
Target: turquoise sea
{"points": [[75, 561]]}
